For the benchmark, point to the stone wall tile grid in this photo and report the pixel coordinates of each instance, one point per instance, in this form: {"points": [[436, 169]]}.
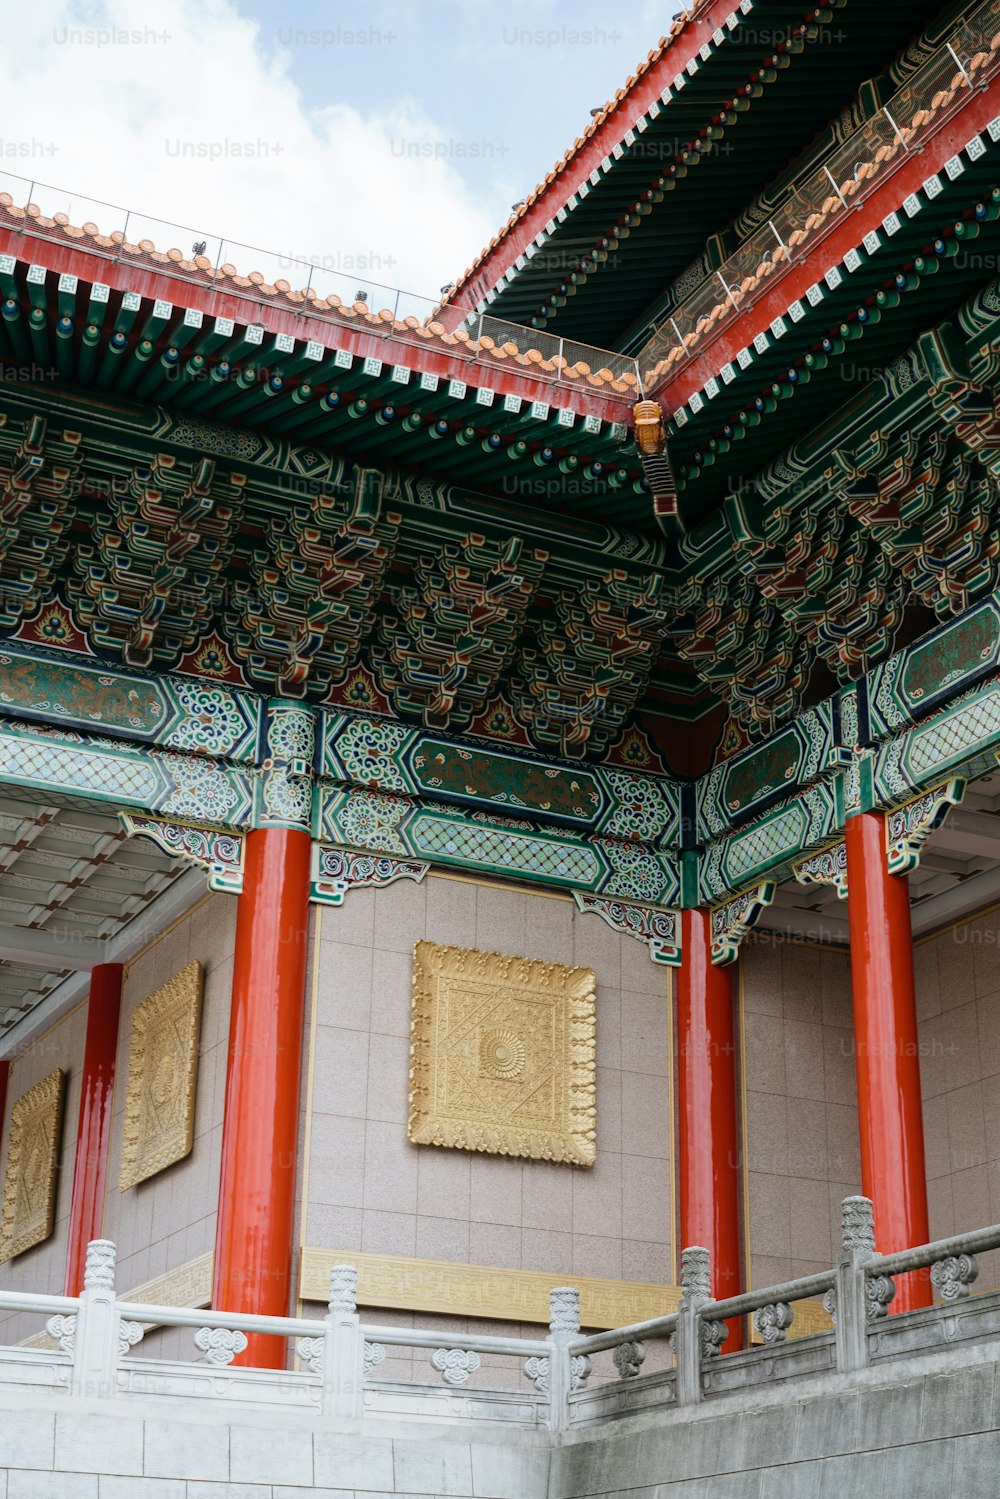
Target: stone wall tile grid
{"points": [[763, 980], [960, 1045], [765, 1053], [388, 1233], [443, 1239], [801, 983], [858, 1473], [496, 1244], [345, 979], [836, 1044], [940, 1207], [549, 1249], [111, 1486], [645, 1123], [792, 1481], [808, 1153], [270, 1456], [451, 912], [645, 1017], [597, 1197], [804, 1041], [645, 1202], [594, 1254], [29, 1485]]}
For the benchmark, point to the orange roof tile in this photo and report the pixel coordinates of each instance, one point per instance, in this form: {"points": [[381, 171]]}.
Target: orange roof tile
{"points": [[200, 271]]}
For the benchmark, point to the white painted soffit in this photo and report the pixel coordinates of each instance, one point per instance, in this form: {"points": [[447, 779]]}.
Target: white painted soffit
{"points": [[183, 893]]}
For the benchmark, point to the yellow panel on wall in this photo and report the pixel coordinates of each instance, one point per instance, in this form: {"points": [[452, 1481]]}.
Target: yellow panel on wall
{"points": [[29, 1197], [502, 1055], [481, 1291], [456, 1290], [162, 1074]]}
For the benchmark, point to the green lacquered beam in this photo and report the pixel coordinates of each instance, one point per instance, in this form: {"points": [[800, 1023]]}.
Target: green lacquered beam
{"points": [[163, 371], [115, 351]]}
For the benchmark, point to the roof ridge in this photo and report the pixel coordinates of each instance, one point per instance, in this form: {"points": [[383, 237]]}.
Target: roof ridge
{"points": [[680, 24]]}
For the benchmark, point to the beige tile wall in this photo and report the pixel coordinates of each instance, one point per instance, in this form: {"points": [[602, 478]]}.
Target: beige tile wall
{"points": [[958, 1003], [161, 1223], [801, 1152], [369, 1189], [170, 1218], [44, 1267]]}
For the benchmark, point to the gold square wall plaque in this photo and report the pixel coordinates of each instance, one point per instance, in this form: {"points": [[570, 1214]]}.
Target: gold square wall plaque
{"points": [[502, 1055], [162, 1074], [29, 1198]]}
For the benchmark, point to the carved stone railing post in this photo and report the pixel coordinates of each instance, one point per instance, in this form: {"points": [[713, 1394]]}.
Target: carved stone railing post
{"points": [[564, 1326], [95, 1344], [694, 1339], [849, 1302], [343, 1359]]}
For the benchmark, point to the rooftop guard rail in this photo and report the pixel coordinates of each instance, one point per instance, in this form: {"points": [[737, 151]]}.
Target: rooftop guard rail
{"points": [[341, 1374], [318, 289], [826, 195]]}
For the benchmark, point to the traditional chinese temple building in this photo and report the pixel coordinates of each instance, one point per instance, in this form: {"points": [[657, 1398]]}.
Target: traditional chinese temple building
{"points": [[497, 791]]}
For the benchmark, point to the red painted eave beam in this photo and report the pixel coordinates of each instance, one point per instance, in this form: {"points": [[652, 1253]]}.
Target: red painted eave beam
{"points": [[643, 93], [77, 261], [847, 232]]}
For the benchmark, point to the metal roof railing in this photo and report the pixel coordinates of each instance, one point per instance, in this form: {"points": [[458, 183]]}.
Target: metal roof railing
{"points": [[827, 194], [322, 289]]}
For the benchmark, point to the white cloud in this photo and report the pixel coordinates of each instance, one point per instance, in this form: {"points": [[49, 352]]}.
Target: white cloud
{"points": [[178, 113]]}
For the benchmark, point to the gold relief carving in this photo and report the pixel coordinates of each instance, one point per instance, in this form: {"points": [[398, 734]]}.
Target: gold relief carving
{"points": [[162, 1073], [502, 1055], [189, 1284], [29, 1198], [481, 1291]]}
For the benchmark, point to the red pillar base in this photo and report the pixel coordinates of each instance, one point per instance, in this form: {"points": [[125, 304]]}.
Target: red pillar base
{"points": [[709, 1143], [254, 1235], [890, 1110]]}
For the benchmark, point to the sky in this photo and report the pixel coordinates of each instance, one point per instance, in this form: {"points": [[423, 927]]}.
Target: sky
{"points": [[385, 143]]}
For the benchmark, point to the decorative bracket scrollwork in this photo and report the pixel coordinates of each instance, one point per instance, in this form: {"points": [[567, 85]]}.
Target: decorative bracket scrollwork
{"points": [[659, 929], [828, 867], [220, 853], [908, 828], [337, 870], [732, 921]]}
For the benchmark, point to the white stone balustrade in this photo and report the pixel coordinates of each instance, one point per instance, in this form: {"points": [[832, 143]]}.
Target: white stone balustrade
{"points": [[99, 1351]]}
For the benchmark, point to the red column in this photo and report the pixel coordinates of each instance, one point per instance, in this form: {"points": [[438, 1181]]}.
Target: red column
{"points": [[254, 1235], [93, 1130], [709, 1144], [888, 1066]]}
